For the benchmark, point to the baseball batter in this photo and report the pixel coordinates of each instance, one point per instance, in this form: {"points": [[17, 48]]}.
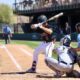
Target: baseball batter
{"points": [[48, 41]]}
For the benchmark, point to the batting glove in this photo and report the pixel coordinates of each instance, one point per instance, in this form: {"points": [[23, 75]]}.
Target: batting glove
{"points": [[37, 25]]}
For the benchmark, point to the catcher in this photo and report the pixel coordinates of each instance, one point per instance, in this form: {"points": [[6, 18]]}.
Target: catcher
{"points": [[67, 57], [48, 41]]}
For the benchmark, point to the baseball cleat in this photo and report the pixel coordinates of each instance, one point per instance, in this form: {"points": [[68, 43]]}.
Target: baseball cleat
{"points": [[57, 76], [74, 74], [31, 71]]}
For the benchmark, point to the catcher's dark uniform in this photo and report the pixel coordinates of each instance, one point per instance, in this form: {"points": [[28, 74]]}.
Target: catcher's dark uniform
{"points": [[73, 54]]}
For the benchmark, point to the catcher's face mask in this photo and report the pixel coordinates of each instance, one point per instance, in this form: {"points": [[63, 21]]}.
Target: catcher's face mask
{"points": [[66, 41]]}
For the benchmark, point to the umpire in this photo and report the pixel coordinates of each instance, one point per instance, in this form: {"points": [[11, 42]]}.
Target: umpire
{"points": [[7, 34]]}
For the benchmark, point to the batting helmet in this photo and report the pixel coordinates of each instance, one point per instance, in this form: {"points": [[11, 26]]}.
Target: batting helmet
{"points": [[42, 18]]}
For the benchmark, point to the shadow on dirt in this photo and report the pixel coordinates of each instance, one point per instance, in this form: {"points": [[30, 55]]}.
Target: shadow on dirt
{"points": [[73, 74], [47, 75], [24, 72], [39, 75]]}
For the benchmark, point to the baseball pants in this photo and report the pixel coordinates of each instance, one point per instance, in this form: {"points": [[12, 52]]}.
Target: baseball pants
{"points": [[44, 47]]}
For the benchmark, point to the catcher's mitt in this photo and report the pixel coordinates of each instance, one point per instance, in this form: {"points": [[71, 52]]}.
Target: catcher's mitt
{"points": [[74, 74], [73, 53], [78, 60]]}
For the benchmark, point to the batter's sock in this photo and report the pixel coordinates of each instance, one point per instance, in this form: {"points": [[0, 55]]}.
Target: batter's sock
{"points": [[34, 65]]}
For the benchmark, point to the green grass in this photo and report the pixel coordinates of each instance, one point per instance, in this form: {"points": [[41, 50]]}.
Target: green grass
{"points": [[33, 44]]}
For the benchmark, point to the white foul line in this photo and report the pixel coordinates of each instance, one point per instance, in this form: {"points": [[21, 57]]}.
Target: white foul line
{"points": [[12, 58], [2, 46], [26, 52]]}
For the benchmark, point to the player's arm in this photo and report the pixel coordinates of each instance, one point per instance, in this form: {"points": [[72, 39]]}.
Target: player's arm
{"points": [[47, 30], [77, 49]]}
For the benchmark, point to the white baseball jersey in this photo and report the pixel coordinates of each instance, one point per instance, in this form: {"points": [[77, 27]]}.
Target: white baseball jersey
{"points": [[62, 51]]}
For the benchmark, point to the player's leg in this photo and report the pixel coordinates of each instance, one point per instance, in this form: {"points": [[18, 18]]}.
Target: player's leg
{"points": [[49, 52], [9, 38], [35, 60], [60, 66], [39, 49], [50, 65], [57, 73], [56, 66], [49, 49], [6, 38]]}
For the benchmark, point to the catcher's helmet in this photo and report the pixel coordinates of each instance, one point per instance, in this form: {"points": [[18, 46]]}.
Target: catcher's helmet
{"points": [[66, 41], [42, 18]]}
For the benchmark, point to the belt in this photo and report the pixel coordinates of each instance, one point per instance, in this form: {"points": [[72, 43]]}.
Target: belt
{"points": [[66, 63]]}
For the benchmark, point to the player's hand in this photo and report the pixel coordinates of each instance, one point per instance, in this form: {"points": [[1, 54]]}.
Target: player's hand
{"points": [[35, 26]]}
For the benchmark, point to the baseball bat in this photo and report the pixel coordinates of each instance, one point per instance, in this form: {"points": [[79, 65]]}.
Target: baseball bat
{"points": [[54, 17]]}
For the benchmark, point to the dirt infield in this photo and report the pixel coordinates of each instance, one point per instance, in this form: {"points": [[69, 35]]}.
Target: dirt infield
{"points": [[16, 59]]}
